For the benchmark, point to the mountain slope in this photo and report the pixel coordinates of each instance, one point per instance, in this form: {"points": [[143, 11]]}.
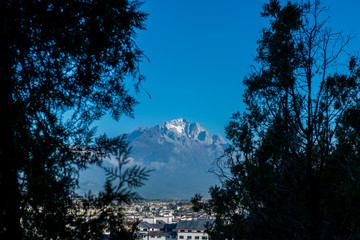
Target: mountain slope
{"points": [[179, 152]]}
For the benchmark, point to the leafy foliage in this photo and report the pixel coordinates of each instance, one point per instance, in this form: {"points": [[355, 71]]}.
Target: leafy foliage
{"points": [[292, 169], [64, 65]]}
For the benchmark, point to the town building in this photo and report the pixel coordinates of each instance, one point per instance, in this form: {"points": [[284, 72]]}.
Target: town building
{"points": [[193, 230], [184, 230], [158, 231]]}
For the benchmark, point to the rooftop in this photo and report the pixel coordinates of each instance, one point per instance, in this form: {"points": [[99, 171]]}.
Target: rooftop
{"points": [[200, 224]]}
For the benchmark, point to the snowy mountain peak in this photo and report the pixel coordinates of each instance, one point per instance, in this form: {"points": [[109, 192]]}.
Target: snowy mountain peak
{"points": [[180, 152], [180, 129], [177, 125]]}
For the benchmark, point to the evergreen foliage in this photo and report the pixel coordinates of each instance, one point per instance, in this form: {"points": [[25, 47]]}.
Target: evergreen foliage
{"points": [[64, 65], [292, 171]]}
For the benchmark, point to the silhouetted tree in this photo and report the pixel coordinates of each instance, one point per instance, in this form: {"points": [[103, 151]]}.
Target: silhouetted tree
{"points": [[292, 171], [63, 65]]}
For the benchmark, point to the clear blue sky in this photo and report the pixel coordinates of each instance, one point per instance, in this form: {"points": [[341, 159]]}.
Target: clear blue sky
{"points": [[200, 51]]}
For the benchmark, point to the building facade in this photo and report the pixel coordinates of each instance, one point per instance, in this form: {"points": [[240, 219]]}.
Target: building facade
{"points": [[193, 230], [183, 230]]}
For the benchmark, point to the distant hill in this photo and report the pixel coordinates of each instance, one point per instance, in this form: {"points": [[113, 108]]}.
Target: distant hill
{"points": [[181, 154]]}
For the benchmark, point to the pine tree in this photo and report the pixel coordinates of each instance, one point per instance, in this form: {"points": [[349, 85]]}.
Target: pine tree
{"points": [[63, 65], [293, 165]]}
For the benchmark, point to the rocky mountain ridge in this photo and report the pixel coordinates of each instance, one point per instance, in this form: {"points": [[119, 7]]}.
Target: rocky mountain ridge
{"points": [[180, 153]]}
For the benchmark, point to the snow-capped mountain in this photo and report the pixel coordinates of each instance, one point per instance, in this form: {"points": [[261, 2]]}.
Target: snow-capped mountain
{"points": [[180, 153]]}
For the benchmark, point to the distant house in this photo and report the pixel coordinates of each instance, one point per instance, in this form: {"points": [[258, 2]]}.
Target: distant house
{"points": [[158, 220], [193, 230], [184, 230], [158, 231]]}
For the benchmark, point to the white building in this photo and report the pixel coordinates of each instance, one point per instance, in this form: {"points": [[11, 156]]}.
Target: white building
{"points": [[193, 229], [158, 220], [183, 230], [158, 231]]}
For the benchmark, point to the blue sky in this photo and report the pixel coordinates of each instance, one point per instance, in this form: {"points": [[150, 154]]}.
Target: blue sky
{"points": [[200, 51]]}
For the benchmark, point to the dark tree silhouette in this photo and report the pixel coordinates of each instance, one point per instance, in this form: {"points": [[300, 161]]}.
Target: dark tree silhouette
{"points": [[63, 65], [292, 170]]}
